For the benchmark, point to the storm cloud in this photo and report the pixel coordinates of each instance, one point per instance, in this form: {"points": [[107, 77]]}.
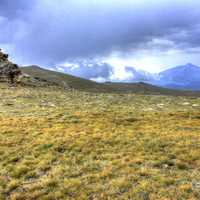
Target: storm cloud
{"points": [[51, 32]]}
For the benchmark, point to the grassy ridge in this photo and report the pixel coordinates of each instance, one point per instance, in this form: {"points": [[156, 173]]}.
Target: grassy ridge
{"points": [[57, 144], [48, 77], [45, 77]]}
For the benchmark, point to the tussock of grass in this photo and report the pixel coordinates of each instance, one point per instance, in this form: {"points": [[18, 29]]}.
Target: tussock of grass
{"points": [[56, 144]]}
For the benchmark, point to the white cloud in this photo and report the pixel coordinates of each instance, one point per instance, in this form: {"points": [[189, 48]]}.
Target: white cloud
{"points": [[99, 79], [120, 74]]}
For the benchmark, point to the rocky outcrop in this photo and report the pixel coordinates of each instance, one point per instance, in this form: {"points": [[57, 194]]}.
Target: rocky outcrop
{"points": [[8, 71]]}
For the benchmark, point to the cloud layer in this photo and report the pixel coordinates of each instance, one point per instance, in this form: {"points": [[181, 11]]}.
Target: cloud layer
{"points": [[50, 32]]}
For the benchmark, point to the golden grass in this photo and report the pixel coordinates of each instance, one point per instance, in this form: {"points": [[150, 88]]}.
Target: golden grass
{"points": [[57, 144]]}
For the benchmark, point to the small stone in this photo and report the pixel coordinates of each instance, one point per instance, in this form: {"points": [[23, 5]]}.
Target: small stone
{"points": [[148, 109], [186, 104], [160, 105]]}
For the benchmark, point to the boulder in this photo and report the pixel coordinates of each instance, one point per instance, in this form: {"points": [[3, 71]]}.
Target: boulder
{"points": [[8, 70]]}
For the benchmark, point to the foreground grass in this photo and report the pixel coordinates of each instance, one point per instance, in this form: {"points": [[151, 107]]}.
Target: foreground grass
{"points": [[73, 145]]}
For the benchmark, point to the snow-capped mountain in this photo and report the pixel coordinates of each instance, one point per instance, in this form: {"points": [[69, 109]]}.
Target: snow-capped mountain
{"points": [[180, 77]]}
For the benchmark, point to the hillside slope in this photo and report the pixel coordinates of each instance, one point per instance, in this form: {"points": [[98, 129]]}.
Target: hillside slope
{"points": [[63, 80], [46, 77]]}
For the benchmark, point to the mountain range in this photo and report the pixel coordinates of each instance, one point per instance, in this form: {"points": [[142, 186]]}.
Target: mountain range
{"points": [[186, 77]]}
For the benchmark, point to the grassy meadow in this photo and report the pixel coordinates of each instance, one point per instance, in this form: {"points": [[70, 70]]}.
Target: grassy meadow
{"points": [[59, 145]]}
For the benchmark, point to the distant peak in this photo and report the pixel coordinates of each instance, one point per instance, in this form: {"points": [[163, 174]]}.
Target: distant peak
{"points": [[190, 65], [34, 66]]}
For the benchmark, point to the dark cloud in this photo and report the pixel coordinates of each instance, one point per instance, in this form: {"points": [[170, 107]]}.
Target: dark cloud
{"points": [[49, 32], [17, 8], [188, 38]]}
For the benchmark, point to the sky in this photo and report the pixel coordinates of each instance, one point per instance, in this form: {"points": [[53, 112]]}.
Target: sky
{"points": [[151, 35]]}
